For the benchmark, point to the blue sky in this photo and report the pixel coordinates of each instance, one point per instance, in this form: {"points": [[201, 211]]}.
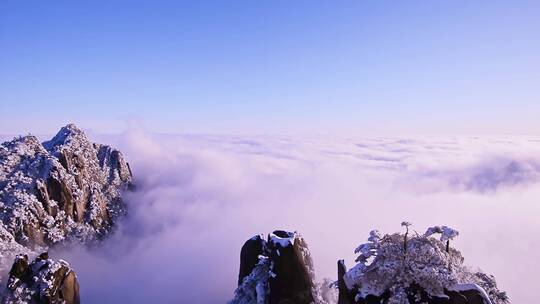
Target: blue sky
{"points": [[347, 67]]}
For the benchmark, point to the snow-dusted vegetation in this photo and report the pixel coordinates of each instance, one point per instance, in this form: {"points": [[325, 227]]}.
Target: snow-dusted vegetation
{"points": [[405, 265]]}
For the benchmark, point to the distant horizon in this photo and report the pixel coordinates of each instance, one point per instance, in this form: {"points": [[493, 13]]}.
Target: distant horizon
{"points": [[127, 127]]}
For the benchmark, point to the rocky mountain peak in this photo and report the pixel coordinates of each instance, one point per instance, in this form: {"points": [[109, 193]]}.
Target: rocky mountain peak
{"points": [[66, 189], [68, 136]]}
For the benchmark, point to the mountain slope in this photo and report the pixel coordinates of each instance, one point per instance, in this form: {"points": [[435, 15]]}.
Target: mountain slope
{"points": [[66, 189]]}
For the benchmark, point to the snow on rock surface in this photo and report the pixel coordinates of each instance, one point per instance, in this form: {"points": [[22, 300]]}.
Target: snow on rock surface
{"points": [[283, 238], [42, 281], [403, 268], [278, 270], [67, 189]]}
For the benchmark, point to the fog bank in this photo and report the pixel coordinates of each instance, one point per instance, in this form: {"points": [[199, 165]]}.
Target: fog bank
{"points": [[199, 198]]}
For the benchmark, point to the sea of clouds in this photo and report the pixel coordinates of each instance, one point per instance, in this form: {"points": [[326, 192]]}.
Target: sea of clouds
{"points": [[199, 198]]}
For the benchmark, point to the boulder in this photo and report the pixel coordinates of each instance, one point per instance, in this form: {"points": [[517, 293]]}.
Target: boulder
{"points": [[42, 281]]}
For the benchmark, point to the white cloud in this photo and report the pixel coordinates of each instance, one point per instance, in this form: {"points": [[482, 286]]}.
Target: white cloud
{"points": [[200, 197]]}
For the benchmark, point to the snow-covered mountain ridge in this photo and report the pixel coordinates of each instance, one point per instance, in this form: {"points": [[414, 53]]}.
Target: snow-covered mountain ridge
{"points": [[67, 189]]}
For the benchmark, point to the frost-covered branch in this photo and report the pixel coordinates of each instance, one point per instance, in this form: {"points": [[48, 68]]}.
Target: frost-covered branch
{"points": [[399, 266]]}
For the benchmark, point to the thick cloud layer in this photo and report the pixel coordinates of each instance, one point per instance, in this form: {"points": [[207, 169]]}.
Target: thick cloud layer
{"points": [[200, 197]]}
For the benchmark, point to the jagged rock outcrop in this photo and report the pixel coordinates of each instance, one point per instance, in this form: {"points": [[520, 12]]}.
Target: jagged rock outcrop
{"points": [[41, 281], [403, 269], [63, 190], [278, 270], [67, 186]]}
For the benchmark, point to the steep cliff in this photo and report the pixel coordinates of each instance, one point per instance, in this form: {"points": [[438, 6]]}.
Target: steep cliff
{"points": [[67, 189]]}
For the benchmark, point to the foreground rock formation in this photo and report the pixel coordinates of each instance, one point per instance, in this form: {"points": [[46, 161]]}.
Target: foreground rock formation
{"points": [[276, 270], [391, 269], [41, 281], [404, 269]]}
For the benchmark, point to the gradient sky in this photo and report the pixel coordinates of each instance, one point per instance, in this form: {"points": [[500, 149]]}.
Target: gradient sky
{"points": [[355, 67]]}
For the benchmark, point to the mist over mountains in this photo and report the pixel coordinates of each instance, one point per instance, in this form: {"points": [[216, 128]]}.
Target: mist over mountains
{"points": [[199, 198]]}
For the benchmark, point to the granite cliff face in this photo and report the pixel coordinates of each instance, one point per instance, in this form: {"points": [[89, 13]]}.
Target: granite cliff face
{"points": [[64, 190]]}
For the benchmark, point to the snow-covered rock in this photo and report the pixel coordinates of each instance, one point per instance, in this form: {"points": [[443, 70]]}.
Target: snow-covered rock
{"points": [[67, 189], [278, 270], [402, 269], [42, 281]]}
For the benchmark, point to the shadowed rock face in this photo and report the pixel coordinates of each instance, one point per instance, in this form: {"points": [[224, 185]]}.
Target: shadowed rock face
{"points": [[278, 270], [344, 295], [293, 281], [249, 256], [65, 188], [42, 281]]}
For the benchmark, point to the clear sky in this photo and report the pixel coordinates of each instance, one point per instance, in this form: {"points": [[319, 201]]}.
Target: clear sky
{"points": [[353, 67]]}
